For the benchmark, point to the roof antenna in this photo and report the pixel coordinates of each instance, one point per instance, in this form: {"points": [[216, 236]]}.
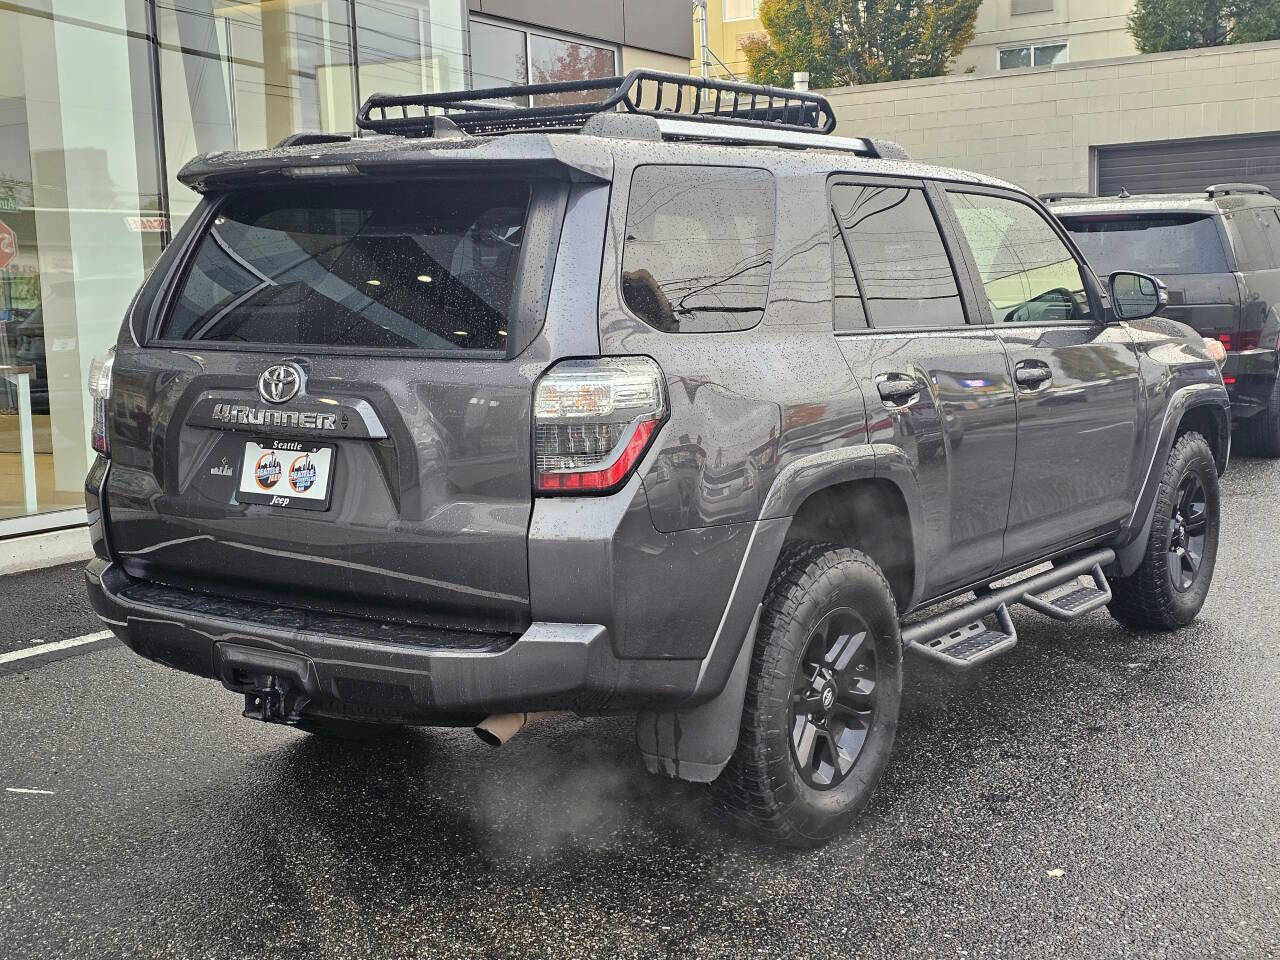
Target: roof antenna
{"points": [[1123, 194]]}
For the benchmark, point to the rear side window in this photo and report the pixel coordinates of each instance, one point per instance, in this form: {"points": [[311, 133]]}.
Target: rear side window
{"points": [[904, 271], [1150, 243], [422, 265], [1257, 239], [1028, 273], [699, 247]]}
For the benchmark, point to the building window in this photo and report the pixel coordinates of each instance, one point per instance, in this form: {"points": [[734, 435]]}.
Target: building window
{"points": [[504, 56], [741, 9], [1033, 55]]}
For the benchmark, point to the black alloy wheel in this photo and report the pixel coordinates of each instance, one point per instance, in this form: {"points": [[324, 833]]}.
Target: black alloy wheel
{"points": [[834, 699], [1187, 532]]}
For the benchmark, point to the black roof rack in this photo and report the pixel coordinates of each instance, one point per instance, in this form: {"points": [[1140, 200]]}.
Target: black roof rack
{"points": [[1226, 189], [1066, 195], [646, 92]]}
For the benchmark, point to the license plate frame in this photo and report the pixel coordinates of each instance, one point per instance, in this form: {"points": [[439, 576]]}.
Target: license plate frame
{"points": [[302, 477]]}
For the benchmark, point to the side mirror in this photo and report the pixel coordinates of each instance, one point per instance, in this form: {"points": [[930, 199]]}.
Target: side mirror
{"points": [[1136, 296]]}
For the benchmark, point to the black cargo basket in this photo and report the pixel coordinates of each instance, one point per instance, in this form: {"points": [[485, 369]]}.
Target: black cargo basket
{"points": [[645, 92]]}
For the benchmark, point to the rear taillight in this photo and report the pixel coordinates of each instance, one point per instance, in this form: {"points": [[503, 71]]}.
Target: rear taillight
{"points": [[100, 393], [592, 422], [1242, 340]]}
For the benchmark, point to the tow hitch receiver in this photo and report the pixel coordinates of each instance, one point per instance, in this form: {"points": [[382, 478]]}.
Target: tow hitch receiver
{"points": [[277, 686]]}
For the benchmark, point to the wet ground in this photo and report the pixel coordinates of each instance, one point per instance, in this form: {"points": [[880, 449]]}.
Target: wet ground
{"points": [[1094, 793]]}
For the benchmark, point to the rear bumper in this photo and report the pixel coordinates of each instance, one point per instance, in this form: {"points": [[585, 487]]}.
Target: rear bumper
{"points": [[551, 666]]}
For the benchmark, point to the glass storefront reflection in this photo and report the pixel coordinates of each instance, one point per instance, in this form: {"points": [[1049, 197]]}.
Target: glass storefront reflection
{"points": [[78, 187], [237, 75]]}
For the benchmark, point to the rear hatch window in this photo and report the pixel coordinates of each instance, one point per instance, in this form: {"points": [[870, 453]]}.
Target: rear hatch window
{"points": [[427, 265], [1159, 244]]}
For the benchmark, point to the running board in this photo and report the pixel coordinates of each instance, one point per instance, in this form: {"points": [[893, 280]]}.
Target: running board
{"points": [[959, 638]]}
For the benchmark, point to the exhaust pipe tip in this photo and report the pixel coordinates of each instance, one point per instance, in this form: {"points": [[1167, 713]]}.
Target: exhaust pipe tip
{"points": [[497, 728]]}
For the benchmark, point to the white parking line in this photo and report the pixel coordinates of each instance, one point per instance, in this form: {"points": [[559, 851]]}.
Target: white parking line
{"points": [[53, 647], [43, 793]]}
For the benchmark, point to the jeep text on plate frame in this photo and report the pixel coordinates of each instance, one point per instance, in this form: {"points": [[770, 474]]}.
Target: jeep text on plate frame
{"points": [[286, 473]]}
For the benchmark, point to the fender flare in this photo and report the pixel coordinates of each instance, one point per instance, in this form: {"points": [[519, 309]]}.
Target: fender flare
{"points": [[1132, 546]]}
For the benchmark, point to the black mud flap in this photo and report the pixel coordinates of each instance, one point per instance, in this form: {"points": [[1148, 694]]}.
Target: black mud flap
{"points": [[277, 686], [696, 744]]}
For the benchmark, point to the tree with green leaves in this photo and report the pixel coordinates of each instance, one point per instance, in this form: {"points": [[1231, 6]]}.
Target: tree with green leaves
{"points": [[842, 42], [1160, 25]]}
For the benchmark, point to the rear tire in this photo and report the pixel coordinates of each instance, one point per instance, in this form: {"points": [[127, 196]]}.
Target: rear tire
{"points": [[822, 698], [352, 731], [1263, 429], [1170, 587]]}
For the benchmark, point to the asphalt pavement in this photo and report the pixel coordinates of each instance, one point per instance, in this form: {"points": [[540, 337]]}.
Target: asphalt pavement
{"points": [[1095, 793]]}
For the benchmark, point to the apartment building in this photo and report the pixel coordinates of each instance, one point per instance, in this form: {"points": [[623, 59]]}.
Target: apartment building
{"points": [[1013, 34], [1008, 34]]}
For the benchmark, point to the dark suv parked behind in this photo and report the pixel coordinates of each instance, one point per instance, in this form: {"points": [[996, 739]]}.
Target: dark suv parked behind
{"points": [[1219, 254], [599, 407]]}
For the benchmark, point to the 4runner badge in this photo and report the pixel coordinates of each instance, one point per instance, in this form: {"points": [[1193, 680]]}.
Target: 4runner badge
{"points": [[280, 383]]}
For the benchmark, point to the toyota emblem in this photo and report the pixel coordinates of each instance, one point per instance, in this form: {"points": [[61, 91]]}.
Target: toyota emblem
{"points": [[280, 383]]}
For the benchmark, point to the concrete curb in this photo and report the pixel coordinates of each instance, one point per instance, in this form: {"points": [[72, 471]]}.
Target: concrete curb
{"points": [[34, 552]]}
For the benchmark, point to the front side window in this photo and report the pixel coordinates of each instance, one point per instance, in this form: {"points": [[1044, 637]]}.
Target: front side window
{"points": [[1028, 273], [906, 274], [422, 265], [699, 247]]}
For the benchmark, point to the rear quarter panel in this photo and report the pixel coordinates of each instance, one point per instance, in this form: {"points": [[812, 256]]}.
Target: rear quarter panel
{"points": [[743, 404]]}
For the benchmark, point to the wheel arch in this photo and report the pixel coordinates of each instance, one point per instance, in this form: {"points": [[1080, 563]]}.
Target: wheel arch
{"points": [[1195, 407], [1213, 423], [871, 515]]}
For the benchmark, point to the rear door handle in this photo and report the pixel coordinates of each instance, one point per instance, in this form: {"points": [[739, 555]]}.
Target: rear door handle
{"points": [[898, 388], [1032, 373]]}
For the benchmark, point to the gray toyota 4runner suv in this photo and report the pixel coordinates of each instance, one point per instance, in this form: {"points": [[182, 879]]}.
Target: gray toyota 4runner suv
{"points": [[534, 404], [1218, 252]]}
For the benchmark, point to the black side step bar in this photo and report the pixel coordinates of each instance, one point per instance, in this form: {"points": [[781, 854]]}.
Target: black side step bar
{"points": [[958, 638]]}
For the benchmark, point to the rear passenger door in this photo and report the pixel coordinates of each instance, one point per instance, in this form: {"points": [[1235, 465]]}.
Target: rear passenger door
{"points": [[936, 381], [1076, 378]]}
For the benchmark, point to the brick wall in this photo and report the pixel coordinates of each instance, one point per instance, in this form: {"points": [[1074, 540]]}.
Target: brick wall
{"points": [[1035, 127]]}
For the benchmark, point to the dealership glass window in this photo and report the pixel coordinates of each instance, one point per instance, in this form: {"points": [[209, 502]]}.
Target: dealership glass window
{"points": [[244, 74], [1033, 55], [502, 55], [411, 46], [80, 223], [499, 55]]}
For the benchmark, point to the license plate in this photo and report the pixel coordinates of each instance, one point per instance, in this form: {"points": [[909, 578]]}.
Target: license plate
{"points": [[286, 473]]}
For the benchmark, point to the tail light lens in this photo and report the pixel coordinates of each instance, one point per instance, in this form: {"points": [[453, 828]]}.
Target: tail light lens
{"points": [[1242, 340], [592, 422], [100, 392]]}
